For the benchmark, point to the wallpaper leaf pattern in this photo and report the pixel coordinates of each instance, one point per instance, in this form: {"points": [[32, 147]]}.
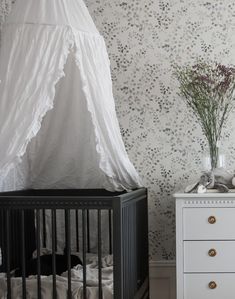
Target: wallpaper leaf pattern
{"points": [[145, 39]]}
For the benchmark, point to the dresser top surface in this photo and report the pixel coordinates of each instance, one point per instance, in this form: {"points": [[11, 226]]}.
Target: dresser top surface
{"points": [[181, 195]]}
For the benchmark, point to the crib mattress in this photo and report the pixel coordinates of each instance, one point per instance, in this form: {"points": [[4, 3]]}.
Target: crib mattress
{"points": [[62, 282]]}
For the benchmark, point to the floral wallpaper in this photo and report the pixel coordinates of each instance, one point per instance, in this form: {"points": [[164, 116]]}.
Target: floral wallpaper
{"points": [[145, 39], [5, 7]]}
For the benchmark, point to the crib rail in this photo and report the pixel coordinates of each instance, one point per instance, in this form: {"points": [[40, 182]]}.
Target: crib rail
{"points": [[24, 228]]}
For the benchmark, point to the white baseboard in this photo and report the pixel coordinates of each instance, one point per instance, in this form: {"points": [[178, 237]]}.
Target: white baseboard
{"points": [[162, 280]]}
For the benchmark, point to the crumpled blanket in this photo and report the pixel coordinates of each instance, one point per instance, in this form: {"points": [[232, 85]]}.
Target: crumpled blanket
{"points": [[62, 282]]}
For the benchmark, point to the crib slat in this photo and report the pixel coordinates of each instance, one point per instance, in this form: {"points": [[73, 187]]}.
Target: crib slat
{"points": [[23, 255], [38, 220], [99, 254], [55, 232], [84, 251], [110, 233], [88, 232], [53, 224], [2, 241], [8, 249], [77, 231], [44, 227], [68, 250]]}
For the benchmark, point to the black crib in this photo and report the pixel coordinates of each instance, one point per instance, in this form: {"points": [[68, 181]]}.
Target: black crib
{"points": [[23, 230]]}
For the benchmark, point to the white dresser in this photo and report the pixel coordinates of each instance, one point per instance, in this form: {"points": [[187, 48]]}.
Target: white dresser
{"points": [[205, 245]]}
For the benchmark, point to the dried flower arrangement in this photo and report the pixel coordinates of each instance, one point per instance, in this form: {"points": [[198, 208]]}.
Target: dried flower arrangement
{"points": [[208, 89]]}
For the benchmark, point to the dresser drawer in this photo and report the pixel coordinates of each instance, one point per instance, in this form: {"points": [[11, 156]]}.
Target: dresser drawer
{"points": [[208, 223], [196, 286], [209, 256]]}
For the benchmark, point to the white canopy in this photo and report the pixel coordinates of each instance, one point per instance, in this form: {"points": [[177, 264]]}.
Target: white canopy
{"points": [[58, 125]]}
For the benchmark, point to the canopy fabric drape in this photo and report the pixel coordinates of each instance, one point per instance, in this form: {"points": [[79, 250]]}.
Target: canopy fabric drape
{"points": [[58, 125]]}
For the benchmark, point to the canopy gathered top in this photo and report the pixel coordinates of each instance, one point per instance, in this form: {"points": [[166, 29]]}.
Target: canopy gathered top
{"points": [[58, 124]]}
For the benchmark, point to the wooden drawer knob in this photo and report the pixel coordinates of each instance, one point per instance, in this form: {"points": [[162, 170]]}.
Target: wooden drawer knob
{"points": [[212, 219], [212, 252], [212, 285]]}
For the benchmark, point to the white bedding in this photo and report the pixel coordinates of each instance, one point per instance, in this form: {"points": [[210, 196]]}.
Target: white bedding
{"points": [[62, 282]]}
